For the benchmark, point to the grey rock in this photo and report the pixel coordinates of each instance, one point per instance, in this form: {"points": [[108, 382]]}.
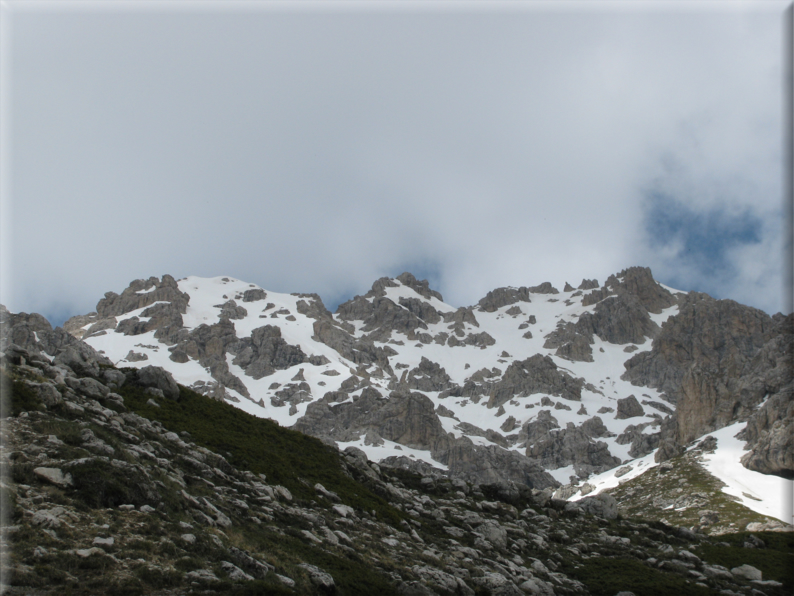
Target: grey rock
{"points": [[88, 386], [536, 374], [230, 310], [747, 572], [601, 505], [158, 378], [637, 282], [54, 476], [319, 578], [500, 297], [254, 295], [497, 584], [234, 572], [544, 288], [421, 309], [572, 445], [629, 407], [716, 360]]}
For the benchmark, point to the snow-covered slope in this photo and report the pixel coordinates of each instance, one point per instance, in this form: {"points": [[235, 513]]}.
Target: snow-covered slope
{"points": [[532, 371]]}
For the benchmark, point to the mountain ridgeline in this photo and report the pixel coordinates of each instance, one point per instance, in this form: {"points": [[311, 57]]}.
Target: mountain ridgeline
{"points": [[539, 442], [531, 385]]}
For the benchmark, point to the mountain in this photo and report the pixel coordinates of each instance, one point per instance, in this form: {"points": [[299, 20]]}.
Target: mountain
{"points": [[121, 481], [532, 385]]}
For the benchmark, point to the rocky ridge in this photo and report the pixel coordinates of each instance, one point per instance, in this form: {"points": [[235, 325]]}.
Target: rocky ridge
{"points": [[469, 390], [108, 492]]}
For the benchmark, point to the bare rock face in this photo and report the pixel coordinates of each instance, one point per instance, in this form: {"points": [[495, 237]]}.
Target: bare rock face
{"points": [[588, 284], [481, 464], [502, 297], [420, 287], [634, 281], [641, 443], [715, 360], [538, 430], [410, 419], [421, 309], [621, 319], [536, 374], [428, 376], [572, 445], [381, 315], [230, 310], [405, 418], [34, 333], [265, 352], [158, 378], [388, 317], [544, 288], [770, 430], [142, 293], [629, 407], [460, 317], [254, 295], [570, 342]]}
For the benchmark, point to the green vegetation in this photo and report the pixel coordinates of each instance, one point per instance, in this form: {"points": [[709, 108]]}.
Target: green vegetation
{"points": [[656, 496], [776, 561], [608, 576], [23, 398], [286, 457]]}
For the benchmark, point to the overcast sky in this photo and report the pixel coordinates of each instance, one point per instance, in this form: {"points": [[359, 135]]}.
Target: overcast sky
{"points": [[315, 148]]}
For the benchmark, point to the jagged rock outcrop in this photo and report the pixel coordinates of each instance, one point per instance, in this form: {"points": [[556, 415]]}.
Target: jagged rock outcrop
{"points": [[634, 281], [544, 288], [421, 309], [629, 407], [265, 352], [405, 418], [621, 319], [770, 429], [155, 377], [588, 284], [428, 376], [708, 360], [570, 342], [536, 374], [421, 287], [142, 293], [490, 464], [641, 443], [573, 446], [500, 297], [34, 332]]}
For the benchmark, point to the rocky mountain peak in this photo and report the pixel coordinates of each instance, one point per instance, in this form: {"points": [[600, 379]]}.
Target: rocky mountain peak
{"points": [[467, 387]]}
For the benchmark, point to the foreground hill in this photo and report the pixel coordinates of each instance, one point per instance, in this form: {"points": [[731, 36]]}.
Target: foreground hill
{"points": [[122, 481]]}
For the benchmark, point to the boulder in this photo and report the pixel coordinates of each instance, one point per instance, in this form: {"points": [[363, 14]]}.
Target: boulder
{"points": [[601, 505], [158, 378], [629, 407]]}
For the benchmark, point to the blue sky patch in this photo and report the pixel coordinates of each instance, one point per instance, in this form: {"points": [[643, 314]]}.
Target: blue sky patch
{"points": [[705, 238]]}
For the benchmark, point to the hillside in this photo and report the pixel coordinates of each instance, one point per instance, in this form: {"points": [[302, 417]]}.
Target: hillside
{"points": [[121, 481]]}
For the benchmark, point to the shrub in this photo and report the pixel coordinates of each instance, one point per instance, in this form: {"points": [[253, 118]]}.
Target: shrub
{"points": [[608, 576], [101, 485]]}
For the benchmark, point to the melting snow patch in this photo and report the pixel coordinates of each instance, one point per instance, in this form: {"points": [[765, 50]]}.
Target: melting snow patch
{"points": [[763, 493]]}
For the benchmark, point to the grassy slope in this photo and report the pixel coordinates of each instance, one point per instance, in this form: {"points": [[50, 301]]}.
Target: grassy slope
{"points": [[286, 457]]}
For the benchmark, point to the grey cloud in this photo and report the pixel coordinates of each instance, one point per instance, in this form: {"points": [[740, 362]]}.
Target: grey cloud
{"points": [[319, 150]]}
